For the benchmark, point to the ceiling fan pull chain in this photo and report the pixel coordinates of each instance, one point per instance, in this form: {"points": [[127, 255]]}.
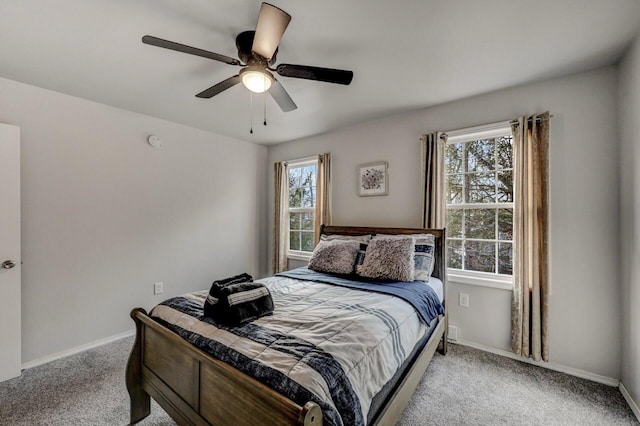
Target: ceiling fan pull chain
{"points": [[264, 97], [251, 112]]}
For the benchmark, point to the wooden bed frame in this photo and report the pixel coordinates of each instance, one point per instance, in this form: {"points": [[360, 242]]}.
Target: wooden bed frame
{"points": [[195, 388]]}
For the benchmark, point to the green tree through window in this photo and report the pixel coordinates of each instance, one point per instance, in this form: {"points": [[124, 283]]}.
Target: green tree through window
{"points": [[479, 196], [302, 203]]}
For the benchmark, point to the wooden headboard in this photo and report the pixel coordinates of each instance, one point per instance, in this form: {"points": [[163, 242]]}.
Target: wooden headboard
{"points": [[439, 268]]}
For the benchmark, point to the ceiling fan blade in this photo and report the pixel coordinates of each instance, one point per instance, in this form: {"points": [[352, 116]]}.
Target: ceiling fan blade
{"points": [[329, 75], [282, 98], [220, 87], [155, 41], [272, 22]]}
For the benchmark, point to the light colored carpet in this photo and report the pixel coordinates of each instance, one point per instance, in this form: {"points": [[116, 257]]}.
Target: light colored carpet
{"points": [[467, 387], [472, 387]]}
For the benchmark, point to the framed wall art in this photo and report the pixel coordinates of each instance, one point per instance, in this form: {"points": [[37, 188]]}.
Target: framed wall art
{"points": [[373, 179]]}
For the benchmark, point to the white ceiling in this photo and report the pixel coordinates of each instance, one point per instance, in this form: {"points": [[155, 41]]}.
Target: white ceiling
{"points": [[405, 54]]}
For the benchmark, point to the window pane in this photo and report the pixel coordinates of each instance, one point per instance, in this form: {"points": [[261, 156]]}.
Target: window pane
{"points": [[294, 221], [294, 240], [453, 159], [504, 146], [307, 241], [505, 258], [309, 196], [309, 175], [481, 187], [479, 256], [294, 176], [295, 197], [307, 221], [454, 254], [480, 171], [480, 223], [454, 189], [480, 155], [505, 224], [454, 223], [505, 186], [302, 195]]}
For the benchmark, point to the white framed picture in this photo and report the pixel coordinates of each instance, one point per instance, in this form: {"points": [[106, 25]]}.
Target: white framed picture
{"points": [[373, 179]]}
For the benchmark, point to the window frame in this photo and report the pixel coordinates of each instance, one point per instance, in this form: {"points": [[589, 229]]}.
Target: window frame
{"points": [[300, 254], [485, 279]]}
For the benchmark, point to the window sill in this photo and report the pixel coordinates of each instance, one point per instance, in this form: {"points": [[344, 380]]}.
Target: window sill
{"points": [[480, 279], [297, 256]]}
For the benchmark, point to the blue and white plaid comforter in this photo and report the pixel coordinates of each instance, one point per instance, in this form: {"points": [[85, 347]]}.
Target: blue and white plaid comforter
{"points": [[333, 345]]}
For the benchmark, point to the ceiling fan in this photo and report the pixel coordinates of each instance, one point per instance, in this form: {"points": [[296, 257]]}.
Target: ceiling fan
{"points": [[257, 52]]}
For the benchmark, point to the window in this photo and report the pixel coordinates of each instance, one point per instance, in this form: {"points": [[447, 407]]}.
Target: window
{"points": [[302, 207], [479, 197]]}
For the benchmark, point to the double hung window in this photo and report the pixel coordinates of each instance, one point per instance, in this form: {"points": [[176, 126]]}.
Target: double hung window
{"points": [[480, 205], [302, 176]]}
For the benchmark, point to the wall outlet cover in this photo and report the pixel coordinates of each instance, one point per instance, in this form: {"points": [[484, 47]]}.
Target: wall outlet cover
{"points": [[463, 300], [452, 335], [158, 288]]}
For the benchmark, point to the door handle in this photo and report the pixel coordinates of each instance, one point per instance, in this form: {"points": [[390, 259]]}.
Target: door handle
{"points": [[8, 264]]}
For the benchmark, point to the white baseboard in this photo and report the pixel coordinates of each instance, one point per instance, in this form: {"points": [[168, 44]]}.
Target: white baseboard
{"points": [[77, 349], [549, 365], [632, 404]]}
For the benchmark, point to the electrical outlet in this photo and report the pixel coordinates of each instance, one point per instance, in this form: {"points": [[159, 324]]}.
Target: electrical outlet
{"points": [[463, 300], [158, 288]]}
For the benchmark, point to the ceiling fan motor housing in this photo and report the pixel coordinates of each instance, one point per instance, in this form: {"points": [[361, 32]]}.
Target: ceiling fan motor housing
{"points": [[244, 42]]}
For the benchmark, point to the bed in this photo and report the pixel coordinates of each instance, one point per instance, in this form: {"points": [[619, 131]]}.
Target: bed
{"points": [[197, 388]]}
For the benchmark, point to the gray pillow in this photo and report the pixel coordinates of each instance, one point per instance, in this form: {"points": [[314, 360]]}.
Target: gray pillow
{"points": [[425, 246], [337, 257], [389, 259]]}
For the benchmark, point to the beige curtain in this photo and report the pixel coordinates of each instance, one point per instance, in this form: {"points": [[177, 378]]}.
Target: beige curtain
{"points": [[530, 305], [433, 180], [323, 194], [280, 226]]}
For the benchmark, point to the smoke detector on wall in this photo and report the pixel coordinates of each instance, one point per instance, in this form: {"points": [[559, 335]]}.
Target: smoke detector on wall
{"points": [[154, 141]]}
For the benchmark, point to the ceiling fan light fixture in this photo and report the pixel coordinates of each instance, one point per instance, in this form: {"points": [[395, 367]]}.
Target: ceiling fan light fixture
{"points": [[257, 81]]}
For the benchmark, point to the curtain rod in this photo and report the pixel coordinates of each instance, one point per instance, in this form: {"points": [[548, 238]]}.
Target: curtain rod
{"points": [[444, 135], [538, 119]]}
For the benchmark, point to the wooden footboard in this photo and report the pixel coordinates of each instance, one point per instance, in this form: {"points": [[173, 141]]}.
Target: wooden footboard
{"points": [[197, 389]]}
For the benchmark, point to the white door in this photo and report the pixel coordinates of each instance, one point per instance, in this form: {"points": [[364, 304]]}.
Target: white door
{"points": [[10, 329]]}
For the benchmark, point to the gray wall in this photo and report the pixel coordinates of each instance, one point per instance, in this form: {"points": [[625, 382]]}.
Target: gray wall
{"points": [[104, 215], [630, 229], [584, 318]]}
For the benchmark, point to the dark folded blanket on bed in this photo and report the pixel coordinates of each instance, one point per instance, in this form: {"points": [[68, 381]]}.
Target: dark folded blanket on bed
{"points": [[236, 279], [237, 300]]}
